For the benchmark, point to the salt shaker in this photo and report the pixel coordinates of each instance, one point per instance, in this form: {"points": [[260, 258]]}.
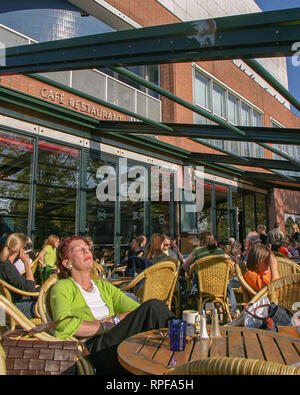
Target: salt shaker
{"points": [[203, 329]]}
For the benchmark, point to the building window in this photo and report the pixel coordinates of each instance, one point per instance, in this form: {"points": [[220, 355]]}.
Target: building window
{"points": [[56, 190], [16, 152], [224, 103], [291, 150]]}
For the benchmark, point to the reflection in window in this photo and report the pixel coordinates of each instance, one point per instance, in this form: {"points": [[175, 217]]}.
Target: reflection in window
{"points": [[261, 209], [132, 209], [249, 212], [57, 183], [193, 220], [15, 177], [100, 204], [222, 223], [160, 207]]}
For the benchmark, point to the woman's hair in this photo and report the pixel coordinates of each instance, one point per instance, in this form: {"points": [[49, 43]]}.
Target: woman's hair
{"points": [[207, 239], [14, 243], [63, 254], [51, 240], [258, 253], [153, 249], [295, 228], [261, 228]]}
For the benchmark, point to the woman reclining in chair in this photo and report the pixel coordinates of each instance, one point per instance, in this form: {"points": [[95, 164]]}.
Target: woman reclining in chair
{"points": [[15, 248], [94, 304]]}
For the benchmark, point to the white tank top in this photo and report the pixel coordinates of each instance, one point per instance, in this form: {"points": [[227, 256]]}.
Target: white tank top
{"points": [[95, 302]]}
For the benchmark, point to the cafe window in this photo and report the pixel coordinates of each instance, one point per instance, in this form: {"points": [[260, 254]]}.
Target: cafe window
{"points": [[221, 212], [132, 205], [101, 192], [56, 191], [161, 214], [16, 155]]}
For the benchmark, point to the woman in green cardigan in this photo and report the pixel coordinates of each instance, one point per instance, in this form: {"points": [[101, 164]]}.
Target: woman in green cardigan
{"points": [[93, 304]]}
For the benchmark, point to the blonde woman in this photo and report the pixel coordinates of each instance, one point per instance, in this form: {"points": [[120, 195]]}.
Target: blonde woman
{"points": [[48, 256], [295, 235], [15, 248]]}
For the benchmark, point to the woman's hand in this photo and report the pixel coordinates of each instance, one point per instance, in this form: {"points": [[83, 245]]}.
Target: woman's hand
{"points": [[24, 257]]}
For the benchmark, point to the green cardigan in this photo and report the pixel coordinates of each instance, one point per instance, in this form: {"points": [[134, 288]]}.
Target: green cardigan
{"points": [[67, 300]]}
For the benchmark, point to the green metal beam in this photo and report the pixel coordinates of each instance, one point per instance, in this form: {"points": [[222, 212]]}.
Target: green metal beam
{"points": [[252, 162], [176, 99], [268, 77], [262, 34], [215, 132], [242, 159], [192, 107], [270, 176], [283, 155], [103, 103]]}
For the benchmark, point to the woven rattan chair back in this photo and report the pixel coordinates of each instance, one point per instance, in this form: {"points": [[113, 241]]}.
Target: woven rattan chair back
{"points": [[34, 266], [285, 291], [286, 266], [6, 289], [2, 361], [213, 277], [84, 367], [97, 271], [159, 281], [248, 292], [44, 299], [233, 366]]}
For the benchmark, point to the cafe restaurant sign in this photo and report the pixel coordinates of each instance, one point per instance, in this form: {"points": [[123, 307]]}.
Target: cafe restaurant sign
{"points": [[79, 104]]}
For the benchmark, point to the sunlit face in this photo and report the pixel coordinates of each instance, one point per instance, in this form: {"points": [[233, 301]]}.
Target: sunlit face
{"points": [[80, 255], [166, 244]]}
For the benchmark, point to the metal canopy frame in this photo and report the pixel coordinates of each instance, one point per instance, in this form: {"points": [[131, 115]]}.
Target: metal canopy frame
{"points": [[263, 34]]}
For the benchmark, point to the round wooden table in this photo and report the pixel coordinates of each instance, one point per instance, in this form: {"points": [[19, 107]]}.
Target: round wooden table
{"points": [[148, 352]]}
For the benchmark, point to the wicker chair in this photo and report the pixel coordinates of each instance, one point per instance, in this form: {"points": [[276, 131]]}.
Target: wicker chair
{"points": [[43, 301], [2, 362], [34, 266], [83, 366], [159, 281], [233, 366], [248, 292], [97, 271], [286, 266], [213, 277], [6, 289], [285, 292]]}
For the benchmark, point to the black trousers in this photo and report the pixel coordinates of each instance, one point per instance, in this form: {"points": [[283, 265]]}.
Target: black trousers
{"points": [[153, 314]]}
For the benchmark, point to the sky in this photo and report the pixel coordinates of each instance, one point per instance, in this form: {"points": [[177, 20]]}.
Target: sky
{"points": [[293, 71]]}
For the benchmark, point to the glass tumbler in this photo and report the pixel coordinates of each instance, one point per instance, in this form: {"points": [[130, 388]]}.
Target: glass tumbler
{"points": [[177, 334]]}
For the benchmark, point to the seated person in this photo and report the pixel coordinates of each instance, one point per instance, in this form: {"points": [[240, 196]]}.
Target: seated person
{"points": [[170, 248], [19, 264], [154, 250], [209, 247], [93, 303], [48, 256], [15, 248], [294, 248], [284, 250], [136, 249], [262, 267]]}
